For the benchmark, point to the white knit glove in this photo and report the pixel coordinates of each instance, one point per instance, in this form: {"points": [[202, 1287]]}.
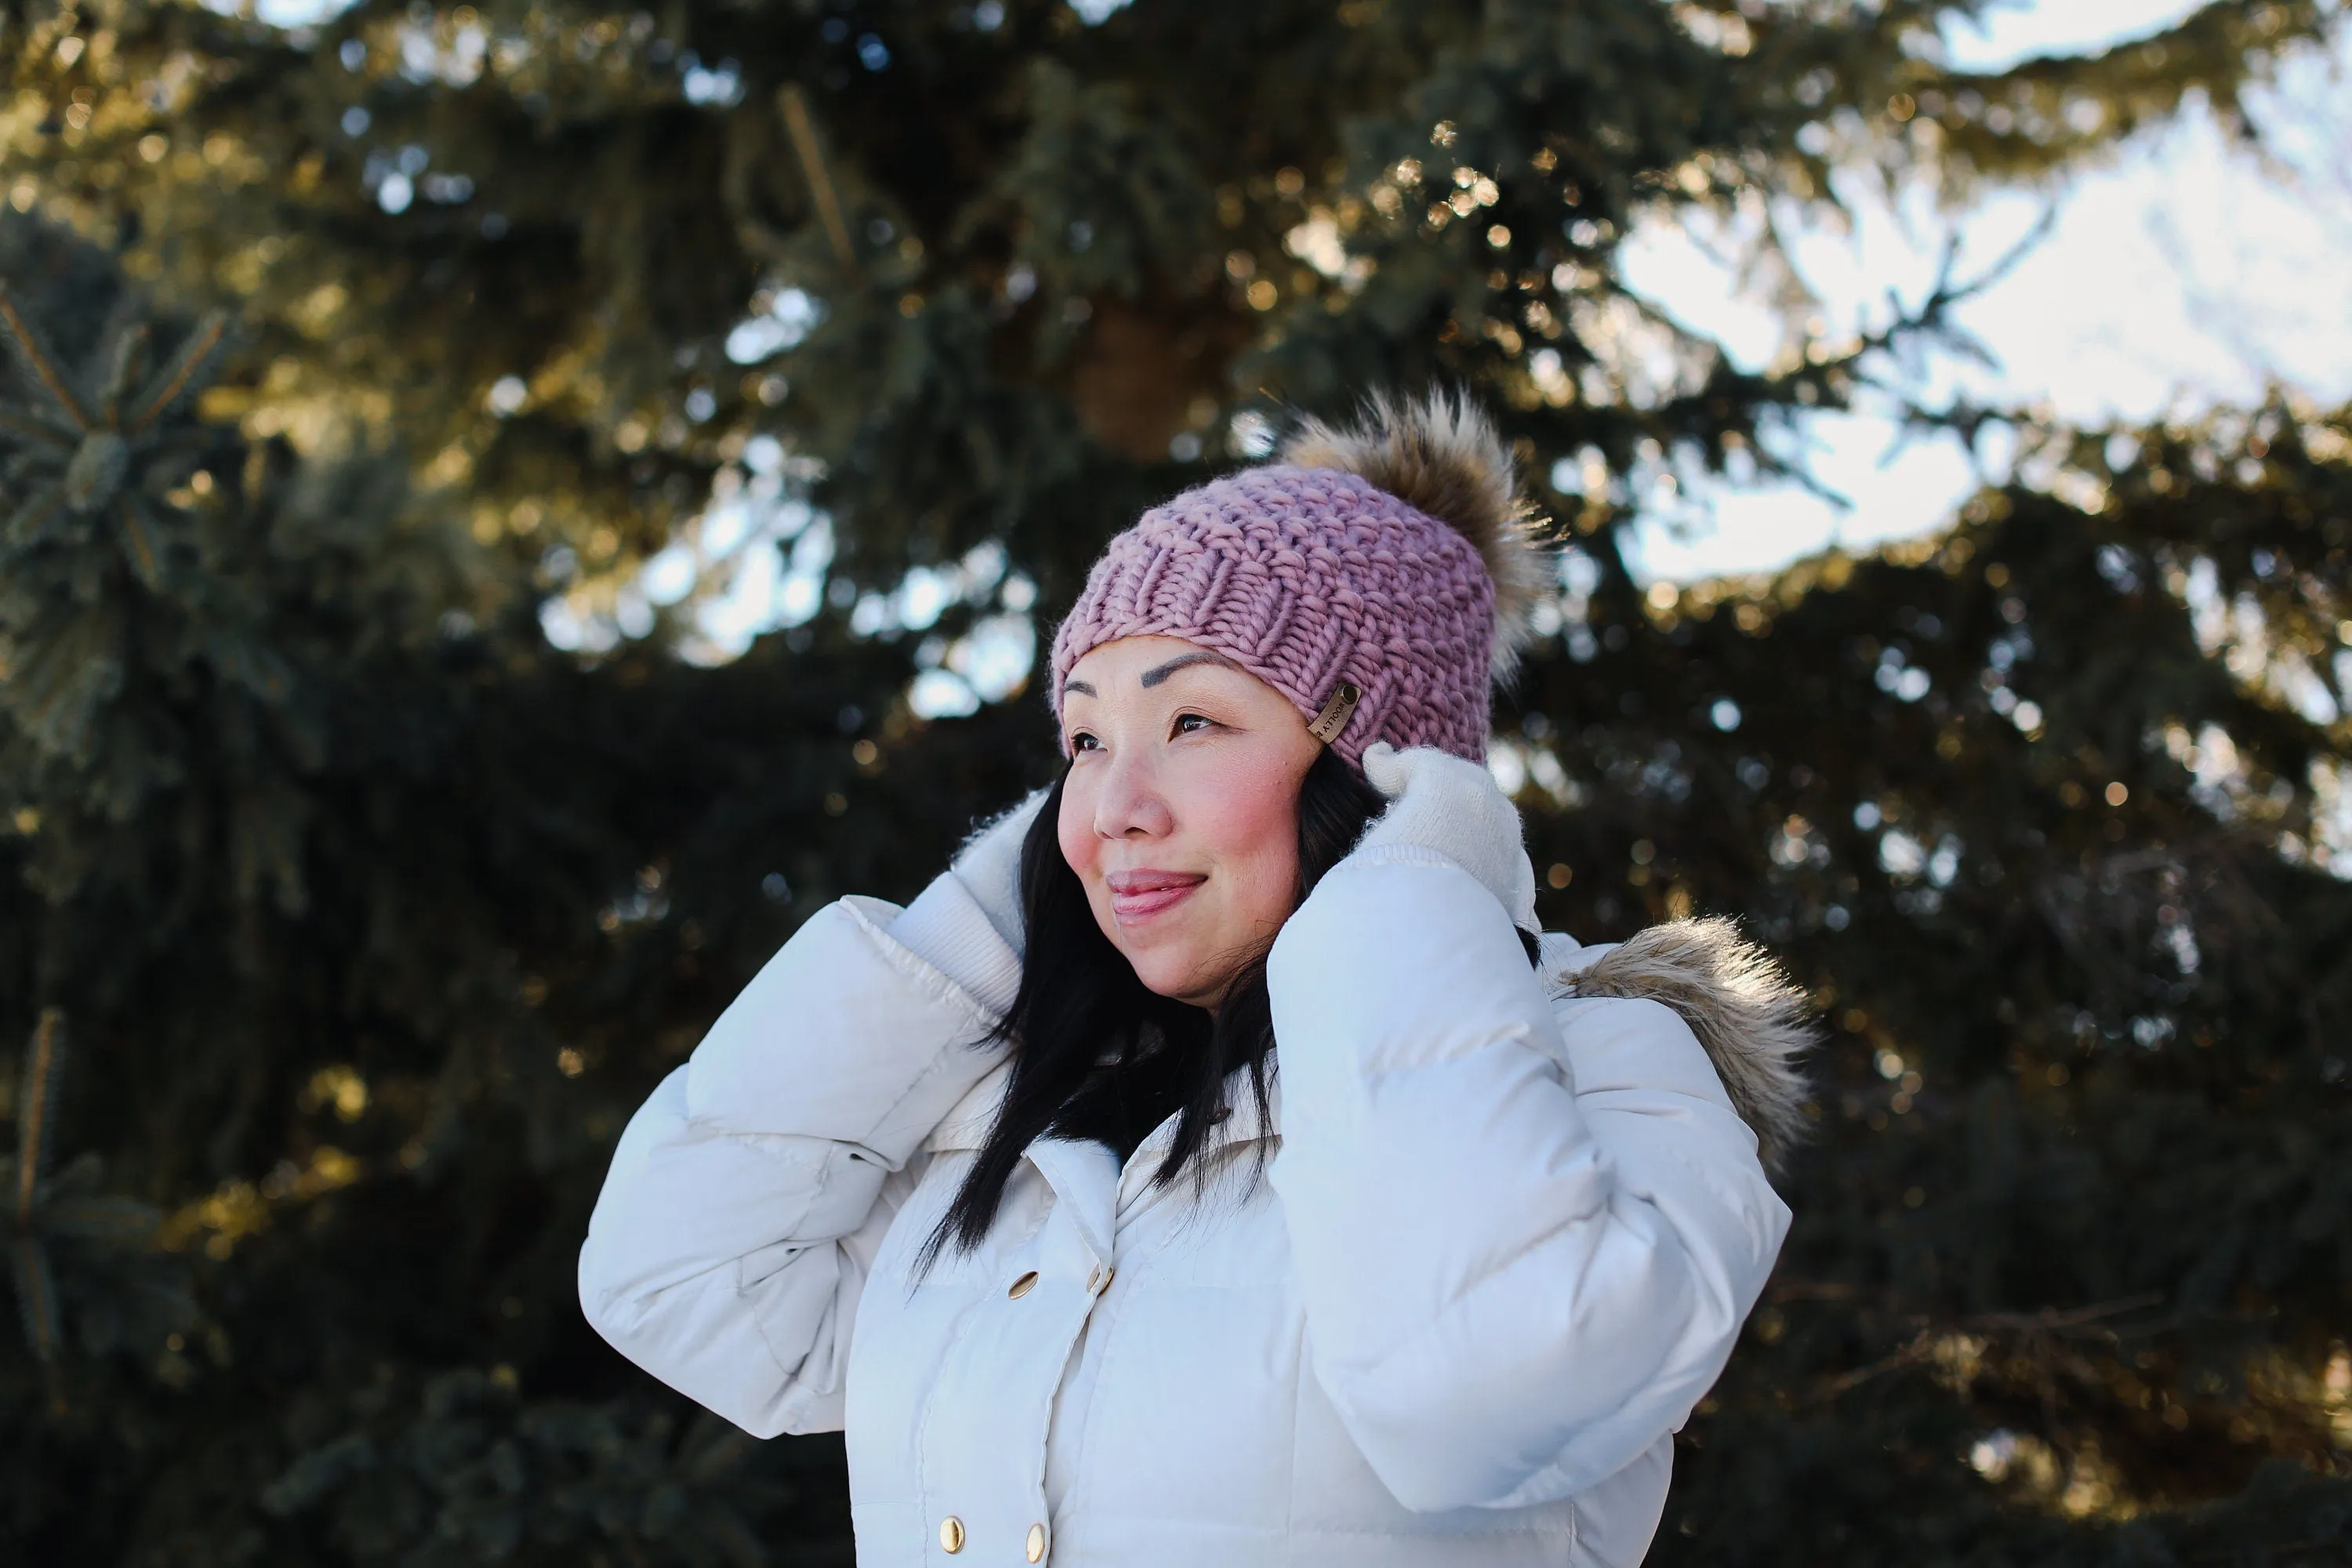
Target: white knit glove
{"points": [[1439, 802], [989, 866]]}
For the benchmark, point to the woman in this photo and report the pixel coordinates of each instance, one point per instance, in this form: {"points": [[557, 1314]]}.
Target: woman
{"points": [[1007, 1184]]}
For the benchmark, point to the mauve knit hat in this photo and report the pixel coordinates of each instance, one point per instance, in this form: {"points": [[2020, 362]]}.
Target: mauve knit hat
{"points": [[1389, 560]]}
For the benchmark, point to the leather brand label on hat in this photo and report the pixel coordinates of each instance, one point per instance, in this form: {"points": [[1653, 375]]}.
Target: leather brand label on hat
{"points": [[1338, 709]]}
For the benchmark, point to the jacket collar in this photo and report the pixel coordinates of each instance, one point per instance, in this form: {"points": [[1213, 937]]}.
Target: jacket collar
{"points": [[967, 1123], [1087, 1175]]}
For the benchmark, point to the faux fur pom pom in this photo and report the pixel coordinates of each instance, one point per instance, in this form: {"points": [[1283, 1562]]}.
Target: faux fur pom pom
{"points": [[1443, 455]]}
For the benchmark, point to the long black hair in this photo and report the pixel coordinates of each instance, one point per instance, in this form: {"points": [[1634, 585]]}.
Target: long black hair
{"points": [[1098, 1055]]}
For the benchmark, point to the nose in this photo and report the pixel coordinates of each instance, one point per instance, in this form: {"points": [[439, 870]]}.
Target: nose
{"points": [[1131, 804]]}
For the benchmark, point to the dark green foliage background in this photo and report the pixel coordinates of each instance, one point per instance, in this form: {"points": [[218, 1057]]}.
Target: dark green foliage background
{"points": [[370, 916]]}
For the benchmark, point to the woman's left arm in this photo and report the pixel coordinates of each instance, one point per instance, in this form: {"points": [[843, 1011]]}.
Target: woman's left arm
{"points": [[1510, 1293]]}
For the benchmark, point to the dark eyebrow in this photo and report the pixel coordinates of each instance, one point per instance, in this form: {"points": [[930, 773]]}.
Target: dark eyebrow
{"points": [[1080, 687], [1159, 673]]}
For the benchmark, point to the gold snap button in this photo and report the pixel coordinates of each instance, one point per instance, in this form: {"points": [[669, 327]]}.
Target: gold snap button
{"points": [[951, 1534], [1021, 1287], [1098, 1278], [1037, 1543]]}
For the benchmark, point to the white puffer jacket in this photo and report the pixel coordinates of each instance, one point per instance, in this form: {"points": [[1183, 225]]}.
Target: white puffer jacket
{"points": [[1505, 1242]]}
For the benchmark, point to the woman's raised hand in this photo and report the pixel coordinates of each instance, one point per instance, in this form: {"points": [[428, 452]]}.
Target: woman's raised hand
{"points": [[1439, 801]]}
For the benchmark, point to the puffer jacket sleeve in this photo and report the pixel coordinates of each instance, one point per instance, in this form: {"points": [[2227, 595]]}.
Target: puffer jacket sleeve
{"points": [[748, 1197], [1525, 1238]]}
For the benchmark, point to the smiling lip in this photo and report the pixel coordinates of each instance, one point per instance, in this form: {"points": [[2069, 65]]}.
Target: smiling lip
{"points": [[1139, 895]]}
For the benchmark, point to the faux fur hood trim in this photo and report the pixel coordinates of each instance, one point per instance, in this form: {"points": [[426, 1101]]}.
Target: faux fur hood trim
{"points": [[1754, 1021]]}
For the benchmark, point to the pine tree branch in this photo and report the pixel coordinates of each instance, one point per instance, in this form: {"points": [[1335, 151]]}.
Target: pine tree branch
{"points": [[32, 428], [36, 1110], [175, 376], [144, 558], [794, 104], [2033, 1331], [127, 363], [37, 1295], [28, 348], [24, 524]]}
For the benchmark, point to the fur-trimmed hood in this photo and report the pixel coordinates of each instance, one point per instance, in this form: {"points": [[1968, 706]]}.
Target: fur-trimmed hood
{"points": [[1755, 1022]]}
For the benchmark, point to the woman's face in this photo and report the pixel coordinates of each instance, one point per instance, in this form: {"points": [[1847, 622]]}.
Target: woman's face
{"points": [[1181, 811]]}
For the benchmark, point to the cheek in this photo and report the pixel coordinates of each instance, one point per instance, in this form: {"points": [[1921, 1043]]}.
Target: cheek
{"points": [[1074, 829], [1248, 821]]}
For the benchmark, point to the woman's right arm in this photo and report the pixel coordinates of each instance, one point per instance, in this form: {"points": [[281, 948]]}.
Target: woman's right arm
{"points": [[749, 1195]]}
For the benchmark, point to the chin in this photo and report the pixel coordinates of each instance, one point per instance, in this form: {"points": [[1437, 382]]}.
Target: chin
{"points": [[1180, 977]]}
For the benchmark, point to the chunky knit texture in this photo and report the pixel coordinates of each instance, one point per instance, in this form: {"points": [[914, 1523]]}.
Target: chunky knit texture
{"points": [[1306, 577]]}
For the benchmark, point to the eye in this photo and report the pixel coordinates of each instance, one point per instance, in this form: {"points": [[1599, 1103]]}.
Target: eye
{"points": [[1081, 742], [1188, 723]]}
